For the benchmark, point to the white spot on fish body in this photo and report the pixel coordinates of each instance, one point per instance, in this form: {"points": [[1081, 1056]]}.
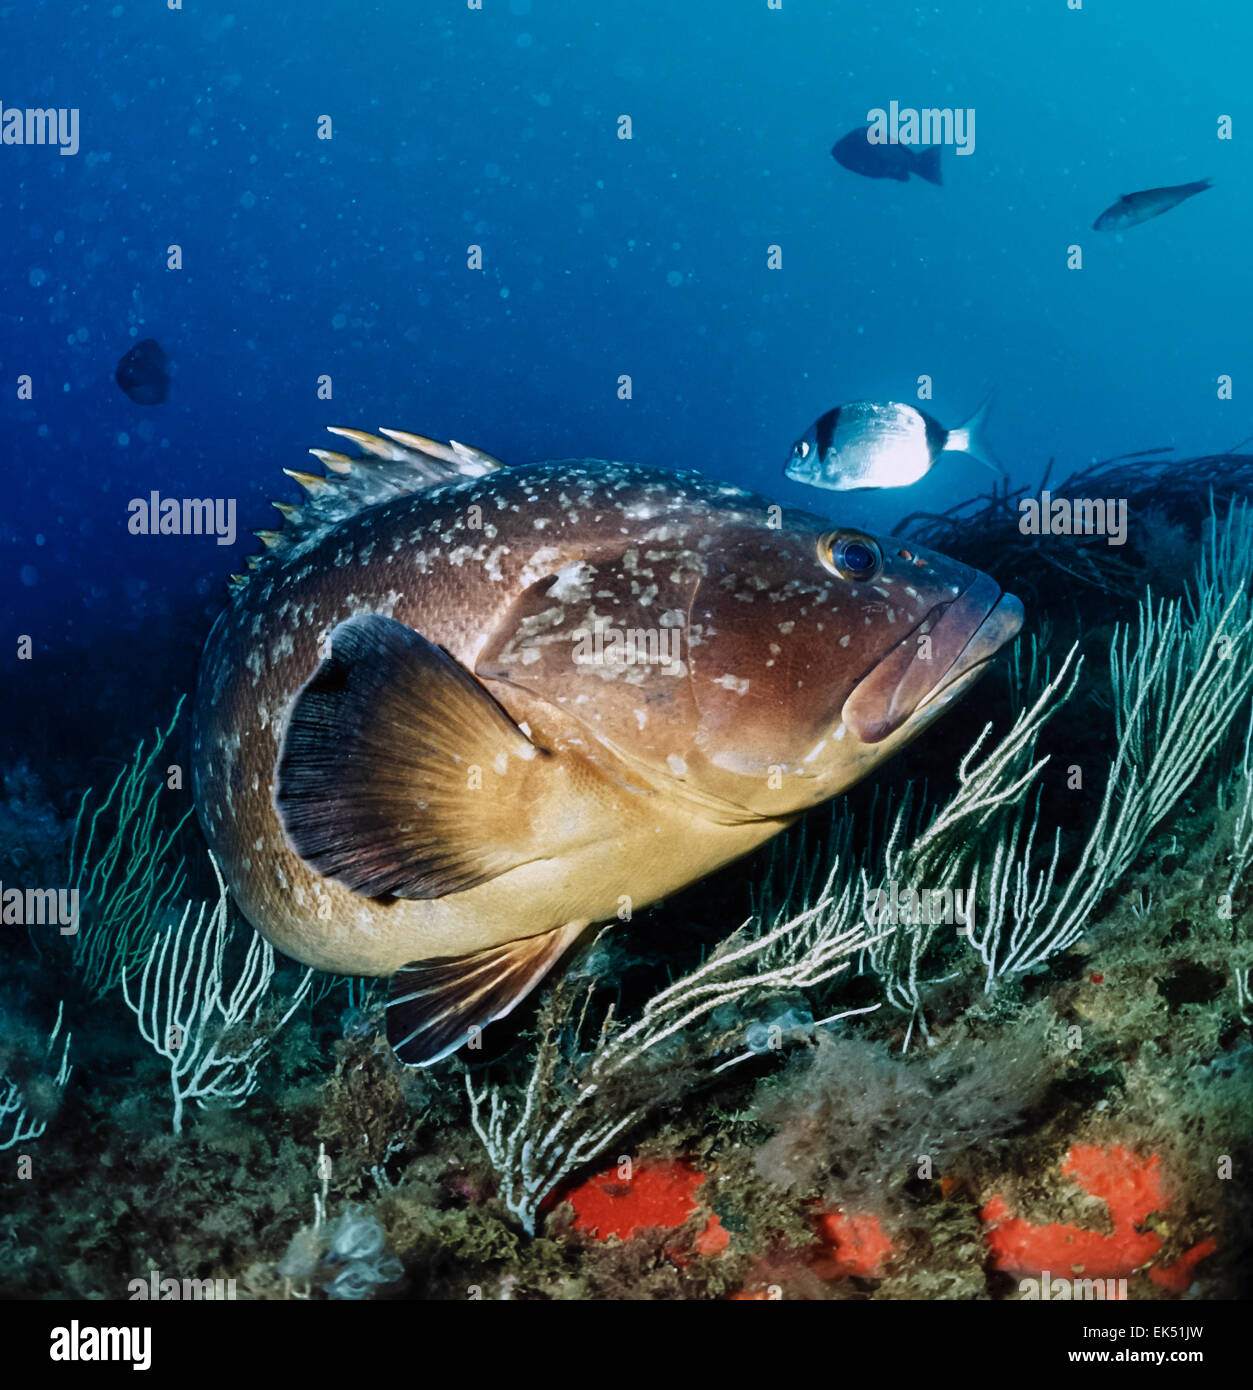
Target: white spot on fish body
{"points": [[540, 564], [572, 583], [492, 564]]}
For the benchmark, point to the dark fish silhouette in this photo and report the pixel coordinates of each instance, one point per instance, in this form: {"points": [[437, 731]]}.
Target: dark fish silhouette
{"points": [[854, 151], [1152, 202], [142, 375]]}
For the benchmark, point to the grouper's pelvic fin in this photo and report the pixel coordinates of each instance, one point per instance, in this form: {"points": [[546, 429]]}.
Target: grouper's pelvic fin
{"points": [[391, 464], [435, 1006]]}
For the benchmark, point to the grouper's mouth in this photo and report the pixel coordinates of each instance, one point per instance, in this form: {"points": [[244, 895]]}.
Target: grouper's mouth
{"points": [[917, 674]]}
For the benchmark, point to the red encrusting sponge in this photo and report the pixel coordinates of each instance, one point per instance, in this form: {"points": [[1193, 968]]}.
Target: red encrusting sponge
{"points": [[1131, 1187], [854, 1243], [657, 1194]]}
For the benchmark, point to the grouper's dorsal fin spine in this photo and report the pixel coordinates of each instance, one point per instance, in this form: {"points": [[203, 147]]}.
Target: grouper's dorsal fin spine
{"points": [[392, 464]]}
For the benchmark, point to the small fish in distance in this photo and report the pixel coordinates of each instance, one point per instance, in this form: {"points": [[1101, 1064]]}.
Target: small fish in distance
{"points": [[1132, 208], [141, 373], [873, 444], [855, 152]]}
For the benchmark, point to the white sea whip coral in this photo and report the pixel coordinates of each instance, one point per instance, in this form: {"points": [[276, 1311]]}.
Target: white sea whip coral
{"points": [[1242, 831], [123, 863], [14, 1113], [570, 1110], [211, 1037], [980, 820], [1175, 696]]}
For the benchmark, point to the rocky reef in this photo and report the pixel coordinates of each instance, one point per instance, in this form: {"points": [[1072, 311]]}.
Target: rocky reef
{"points": [[765, 1089]]}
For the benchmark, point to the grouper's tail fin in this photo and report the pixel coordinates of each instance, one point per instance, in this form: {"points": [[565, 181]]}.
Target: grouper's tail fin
{"points": [[968, 438], [391, 464]]}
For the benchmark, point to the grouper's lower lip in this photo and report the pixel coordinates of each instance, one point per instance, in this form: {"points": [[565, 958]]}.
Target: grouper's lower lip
{"points": [[964, 636], [1000, 626]]}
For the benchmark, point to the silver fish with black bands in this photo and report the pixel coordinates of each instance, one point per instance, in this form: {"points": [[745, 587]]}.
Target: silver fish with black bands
{"points": [[878, 444]]}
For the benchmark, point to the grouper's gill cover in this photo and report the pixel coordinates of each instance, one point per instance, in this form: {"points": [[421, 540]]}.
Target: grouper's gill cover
{"points": [[458, 711]]}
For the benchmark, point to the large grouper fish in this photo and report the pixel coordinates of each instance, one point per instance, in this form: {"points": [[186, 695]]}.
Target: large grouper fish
{"points": [[459, 711]]}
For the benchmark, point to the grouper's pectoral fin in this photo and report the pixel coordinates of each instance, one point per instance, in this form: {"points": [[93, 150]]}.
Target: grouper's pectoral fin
{"points": [[399, 774], [436, 1005]]}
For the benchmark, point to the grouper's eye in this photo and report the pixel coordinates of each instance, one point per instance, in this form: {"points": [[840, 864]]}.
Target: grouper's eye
{"points": [[850, 555]]}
